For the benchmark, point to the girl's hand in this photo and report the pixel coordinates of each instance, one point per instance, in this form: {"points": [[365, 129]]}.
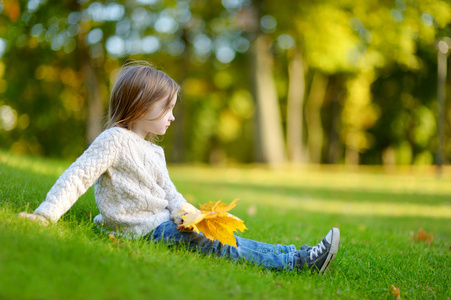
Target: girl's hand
{"points": [[36, 218], [186, 208], [189, 208]]}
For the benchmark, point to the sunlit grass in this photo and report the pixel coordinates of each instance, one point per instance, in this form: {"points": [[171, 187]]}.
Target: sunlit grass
{"points": [[377, 211], [333, 191], [395, 180]]}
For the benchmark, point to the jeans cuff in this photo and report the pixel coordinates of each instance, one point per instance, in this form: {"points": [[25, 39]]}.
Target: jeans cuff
{"points": [[299, 259]]}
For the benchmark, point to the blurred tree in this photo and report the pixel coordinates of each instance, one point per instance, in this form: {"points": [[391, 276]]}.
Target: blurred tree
{"points": [[349, 79], [313, 117], [252, 22], [392, 39], [358, 42], [269, 126], [295, 103], [93, 38]]}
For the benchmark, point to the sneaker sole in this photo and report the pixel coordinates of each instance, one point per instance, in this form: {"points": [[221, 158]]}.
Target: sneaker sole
{"points": [[333, 250]]}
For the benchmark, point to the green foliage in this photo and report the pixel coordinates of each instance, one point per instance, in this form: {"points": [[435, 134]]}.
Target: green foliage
{"points": [[73, 260], [377, 53]]}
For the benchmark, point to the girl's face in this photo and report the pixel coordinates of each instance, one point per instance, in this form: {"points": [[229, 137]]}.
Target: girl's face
{"points": [[150, 124]]}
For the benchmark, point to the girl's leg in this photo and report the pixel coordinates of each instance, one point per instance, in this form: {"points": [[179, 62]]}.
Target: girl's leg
{"points": [[269, 256]]}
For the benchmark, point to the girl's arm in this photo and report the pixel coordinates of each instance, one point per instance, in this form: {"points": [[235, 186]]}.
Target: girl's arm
{"points": [[75, 181], [176, 201]]}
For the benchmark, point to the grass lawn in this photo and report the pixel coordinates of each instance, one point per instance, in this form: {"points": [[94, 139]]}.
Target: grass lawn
{"points": [[378, 211]]}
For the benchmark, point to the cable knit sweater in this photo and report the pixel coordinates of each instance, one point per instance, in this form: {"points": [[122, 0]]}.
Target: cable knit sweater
{"points": [[133, 190]]}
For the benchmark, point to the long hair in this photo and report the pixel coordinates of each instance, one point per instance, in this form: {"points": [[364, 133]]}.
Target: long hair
{"points": [[137, 88]]}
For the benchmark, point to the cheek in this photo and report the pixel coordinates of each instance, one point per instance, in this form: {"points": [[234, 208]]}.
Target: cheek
{"points": [[152, 115]]}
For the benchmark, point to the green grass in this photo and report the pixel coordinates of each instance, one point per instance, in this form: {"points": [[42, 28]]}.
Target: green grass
{"points": [[376, 210]]}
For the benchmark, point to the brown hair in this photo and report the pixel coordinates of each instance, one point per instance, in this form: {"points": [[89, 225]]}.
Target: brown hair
{"points": [[137, 88]]}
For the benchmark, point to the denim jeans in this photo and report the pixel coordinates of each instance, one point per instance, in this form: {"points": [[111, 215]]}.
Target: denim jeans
{"points": [[275, 257]]}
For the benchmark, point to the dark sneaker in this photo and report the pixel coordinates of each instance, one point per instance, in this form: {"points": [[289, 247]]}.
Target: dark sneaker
{"points": [[321, 256]]}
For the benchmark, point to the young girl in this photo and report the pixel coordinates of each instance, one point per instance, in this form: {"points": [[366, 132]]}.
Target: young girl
{"points": [[133, 190]]}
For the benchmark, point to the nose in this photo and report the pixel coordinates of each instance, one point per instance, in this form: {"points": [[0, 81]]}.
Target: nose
{"points": [[171, 117]]}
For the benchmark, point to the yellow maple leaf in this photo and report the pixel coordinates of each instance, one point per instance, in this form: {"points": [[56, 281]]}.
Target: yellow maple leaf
{"points": [[214, 221]]}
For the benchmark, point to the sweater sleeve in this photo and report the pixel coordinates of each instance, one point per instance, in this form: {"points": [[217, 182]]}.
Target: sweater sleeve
{"points": [[82, 174], [174, 198]]}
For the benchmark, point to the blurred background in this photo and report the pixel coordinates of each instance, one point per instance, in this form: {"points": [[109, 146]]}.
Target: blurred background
{"points": [[276, 82]]}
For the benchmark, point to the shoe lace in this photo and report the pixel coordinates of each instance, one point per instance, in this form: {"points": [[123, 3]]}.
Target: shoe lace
{"points": [[317, 250]]}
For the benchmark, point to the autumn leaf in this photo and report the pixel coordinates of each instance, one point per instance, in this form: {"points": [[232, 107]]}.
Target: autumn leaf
{"points": [[114, 239], [218, 206], [396, 291], [423, 236], [214, 221]]}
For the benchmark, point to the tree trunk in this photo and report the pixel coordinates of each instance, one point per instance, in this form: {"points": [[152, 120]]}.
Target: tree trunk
{"points": [[334, 150], [178, 150], [313, 116], [357, 115], [95, 106], [268, 113], [442, 63], [295, 113], [95, 109]]}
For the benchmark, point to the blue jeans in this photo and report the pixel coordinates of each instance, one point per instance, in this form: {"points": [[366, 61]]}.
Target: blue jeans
{"points": [[276, 257]]}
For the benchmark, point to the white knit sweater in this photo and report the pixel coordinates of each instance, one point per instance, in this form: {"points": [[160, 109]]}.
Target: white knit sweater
{"points": [[133, 190]]}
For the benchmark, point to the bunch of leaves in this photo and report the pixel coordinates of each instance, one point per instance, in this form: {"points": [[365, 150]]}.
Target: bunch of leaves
{"points": [[214, 221]]}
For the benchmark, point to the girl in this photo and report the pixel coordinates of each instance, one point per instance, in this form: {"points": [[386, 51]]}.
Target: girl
{"points": [[133, 190]]}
